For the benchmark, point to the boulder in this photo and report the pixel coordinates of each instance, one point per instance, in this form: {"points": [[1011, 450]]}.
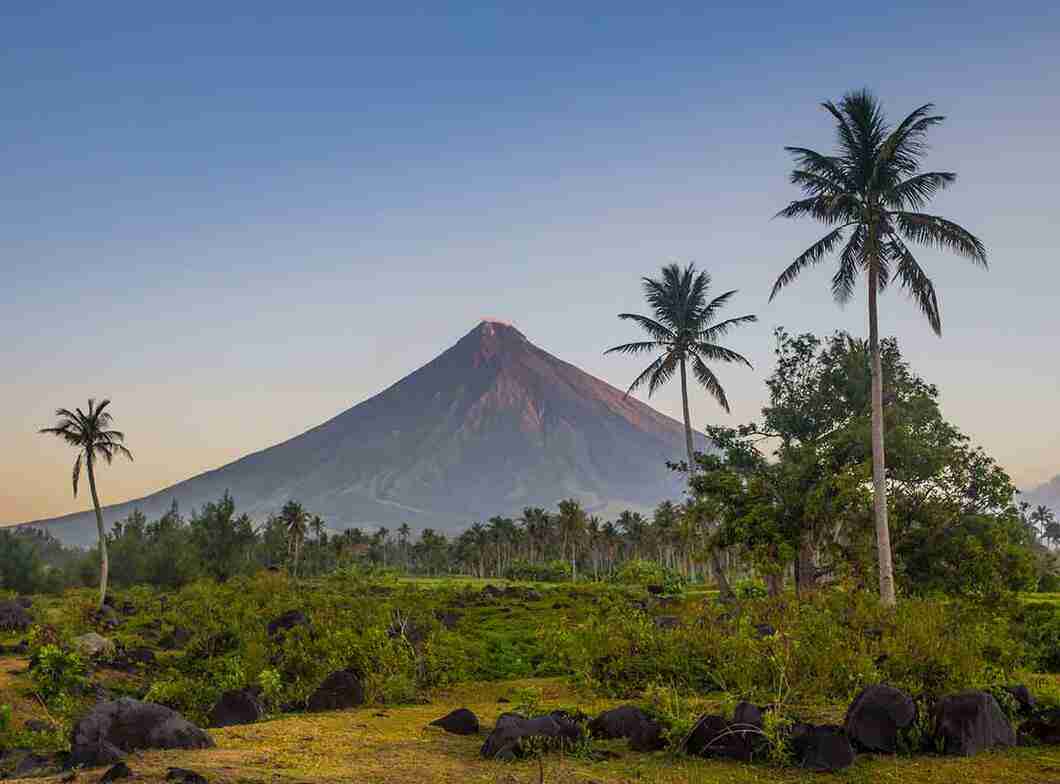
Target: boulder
{"points": [[114, 728], [714, 736], [185, 776], [448, 618], [39, 725], [177, 638], [824, 748], [33, 764], [628, 721], [24, 601], [286, 622], [94, 646], [492, 591], [340, 690], [764, 630], [747, 716], [14, 617], [506, 740], [1044, 729], [1023, 697], [107, 617], [459, 722], [118, 771], [238, 706], [655, 590], [667, 622], [970, 722], [876, 717]]}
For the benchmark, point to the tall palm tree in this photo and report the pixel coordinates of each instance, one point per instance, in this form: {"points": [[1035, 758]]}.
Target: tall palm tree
{"points": [[296, 523], [572, 521], [870, 192], [685, 331], [90, 434]]}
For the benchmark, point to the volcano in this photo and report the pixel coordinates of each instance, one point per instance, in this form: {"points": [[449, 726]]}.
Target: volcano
{"points": [[492, 425]]}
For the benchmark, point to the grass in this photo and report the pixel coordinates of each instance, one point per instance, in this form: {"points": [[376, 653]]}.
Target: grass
{"points": [[395, 746]]}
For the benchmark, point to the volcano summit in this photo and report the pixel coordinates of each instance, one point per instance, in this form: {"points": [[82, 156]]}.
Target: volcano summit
{"points": [[492, 425]]}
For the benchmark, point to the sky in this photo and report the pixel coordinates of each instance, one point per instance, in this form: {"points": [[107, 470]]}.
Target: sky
{"points": [[237, 220]]}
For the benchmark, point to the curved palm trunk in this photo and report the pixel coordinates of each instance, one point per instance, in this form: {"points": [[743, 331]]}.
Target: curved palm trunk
{"points": [[715, 559], [879, 473], [104, 563]]}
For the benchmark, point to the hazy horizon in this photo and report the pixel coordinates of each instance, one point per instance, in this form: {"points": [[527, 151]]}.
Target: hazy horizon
{"points": [[238, 227]]}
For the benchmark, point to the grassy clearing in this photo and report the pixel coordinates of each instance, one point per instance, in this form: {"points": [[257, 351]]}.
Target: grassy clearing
{"points": [[395, 746]]}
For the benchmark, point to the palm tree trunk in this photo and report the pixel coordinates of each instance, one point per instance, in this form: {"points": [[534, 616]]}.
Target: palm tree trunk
{"points": [[104, 563], [715, 561], [879, 472]]}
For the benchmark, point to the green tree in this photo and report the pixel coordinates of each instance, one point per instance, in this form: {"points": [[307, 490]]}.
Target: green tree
{"points": [[684, 331], [572, 521], [296, 523], [90, 433], [871, 192], [222, 540]]}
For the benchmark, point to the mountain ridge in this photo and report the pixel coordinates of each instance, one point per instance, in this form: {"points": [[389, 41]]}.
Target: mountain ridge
{"points": [[490, 425]]}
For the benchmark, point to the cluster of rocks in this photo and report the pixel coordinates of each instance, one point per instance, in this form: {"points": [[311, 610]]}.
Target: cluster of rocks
{"points": [[520, 593]]}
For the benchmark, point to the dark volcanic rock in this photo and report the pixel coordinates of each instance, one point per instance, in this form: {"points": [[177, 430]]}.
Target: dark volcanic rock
{"points": [[877, 716], [33, 764], [286, 622], [177, 638], [714, 736], [764, 630], [38, 725], [747, 715], [448, 618], [667, 622], [340, 690], [970, 722], [1044, 729], [459, 722], [628, 721], [506, 740], [239, 706], [185, 776], [118, 771], [112, 729], [823, 748], [14, 617], [1023, 697], [24, 601]]}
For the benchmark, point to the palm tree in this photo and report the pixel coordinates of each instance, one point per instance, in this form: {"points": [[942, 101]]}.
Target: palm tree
{"points": [[296, 523], [572, 521], [89, 433], [870, 193], [684, 330]]}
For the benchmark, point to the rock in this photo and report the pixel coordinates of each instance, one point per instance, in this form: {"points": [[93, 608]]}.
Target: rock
{"points": [[1023, 697], [94, 645], [340, 690], [764, 630], [825, 748], [628, 721], [459, 722], [505, 742], [531, 595], [971, 722], [14, 617], [184, 776], [1044, 729], [448, 618], [141, 655], [177, 638], [239, 706], [107, 617], [112, 729], [24, 602], [876, 717], [118, 771], [492, 591], [655, 590], [38, 725], [747, 716], [715, 736], [33, 764], [667, 622], [286, 622]]}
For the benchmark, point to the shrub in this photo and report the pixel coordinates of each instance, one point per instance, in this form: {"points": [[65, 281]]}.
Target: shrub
{"points": [[1041, 629], [58, 674]]}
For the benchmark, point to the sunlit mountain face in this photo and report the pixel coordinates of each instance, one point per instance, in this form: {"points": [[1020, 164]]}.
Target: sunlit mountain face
{"points": [[490, 426]]}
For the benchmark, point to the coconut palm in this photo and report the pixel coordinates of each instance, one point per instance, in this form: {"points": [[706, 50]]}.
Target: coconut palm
{"points": [[683, 332], [870, 193], [296, 523], [89, 432]]}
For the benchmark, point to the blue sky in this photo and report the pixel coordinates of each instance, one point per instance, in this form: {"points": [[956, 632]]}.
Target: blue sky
{"points": [[238, 220]]}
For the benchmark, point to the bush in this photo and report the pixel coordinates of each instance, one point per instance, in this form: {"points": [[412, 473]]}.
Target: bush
{"points": [[557, 571], [57, 674], [1041, 630]]}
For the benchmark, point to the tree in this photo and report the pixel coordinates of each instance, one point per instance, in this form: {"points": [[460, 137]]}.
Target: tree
{"points": [[870, 193], [572, 522], [222, 539], [296, 523], [89, 432], [684, 332]]}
